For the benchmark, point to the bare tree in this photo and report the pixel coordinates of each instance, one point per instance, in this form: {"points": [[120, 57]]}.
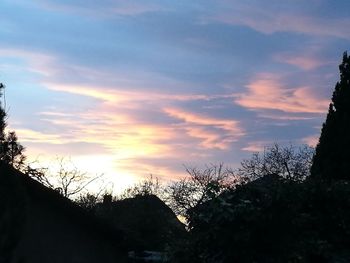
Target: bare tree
{"points": [[289, 162], [198, 187], [68, 180]]}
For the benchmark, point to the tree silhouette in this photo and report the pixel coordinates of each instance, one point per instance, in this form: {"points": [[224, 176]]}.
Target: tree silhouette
{"points": [[331, 160], [146, 187], [200, 186], [2, 121], [289, 162], [66, 179], [11, 151]]}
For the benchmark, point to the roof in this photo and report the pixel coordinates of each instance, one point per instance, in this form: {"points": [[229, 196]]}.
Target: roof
{"points": [[35, 191]]}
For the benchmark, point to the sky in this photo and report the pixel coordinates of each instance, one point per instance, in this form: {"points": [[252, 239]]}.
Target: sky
{"points": [[133, 88]]}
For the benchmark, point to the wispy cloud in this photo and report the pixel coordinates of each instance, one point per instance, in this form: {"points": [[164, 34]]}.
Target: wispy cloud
{"points": [[256, 146], [302, 61], [264, 18], [121, 94], [32, 136], [37, 62], [268, 92], [213, 132]]}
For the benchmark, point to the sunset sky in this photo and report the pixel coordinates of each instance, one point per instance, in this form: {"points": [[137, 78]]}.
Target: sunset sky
{"points": [[132, 88]]}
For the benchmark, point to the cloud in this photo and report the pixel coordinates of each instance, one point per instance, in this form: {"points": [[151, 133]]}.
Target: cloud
{"points": [[311, 140], [264, 18], [123, 135], [144, 89], [122, 94], [302, 61], [139, 148], [32, 136], [210, 139], [256, 146], [268, 92], [38, 62], [121, 116], [213, 132]]}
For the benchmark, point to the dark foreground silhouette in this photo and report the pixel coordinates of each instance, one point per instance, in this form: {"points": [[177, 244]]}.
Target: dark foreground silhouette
{"points": [[273, 220], [39, 225]]}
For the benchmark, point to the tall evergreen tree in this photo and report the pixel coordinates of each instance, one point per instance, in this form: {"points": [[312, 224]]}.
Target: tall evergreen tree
{"points": [[2, 121], [11, 151], [332, 158]]}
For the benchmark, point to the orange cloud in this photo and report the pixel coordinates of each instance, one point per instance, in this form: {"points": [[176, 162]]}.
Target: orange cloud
{"points": [[268, 92], [120, 133]]}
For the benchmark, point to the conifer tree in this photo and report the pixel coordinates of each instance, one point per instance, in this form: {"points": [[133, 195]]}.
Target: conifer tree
{"points": [[11, 151], [332, 158], [2, 121]]}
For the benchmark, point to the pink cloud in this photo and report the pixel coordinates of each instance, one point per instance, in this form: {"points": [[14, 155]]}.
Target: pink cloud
{"points": [[212, 132], [305, 62], [311, 140], [209, 139], [229, 125], [268, 92], [36, 62], [256, 146]]}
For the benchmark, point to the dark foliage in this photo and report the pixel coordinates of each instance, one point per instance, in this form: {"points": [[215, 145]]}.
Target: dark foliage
{"points": [[273, 220], [331, 160], [2, 117], [11, 151], [87, 202]]}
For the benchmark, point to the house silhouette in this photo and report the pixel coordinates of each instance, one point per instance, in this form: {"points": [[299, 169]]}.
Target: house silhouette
{"points": [[37, 224]]}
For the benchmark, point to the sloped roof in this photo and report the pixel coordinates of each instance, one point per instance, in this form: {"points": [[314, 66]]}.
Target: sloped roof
{"points": [[148, 221], [36, 192]]}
